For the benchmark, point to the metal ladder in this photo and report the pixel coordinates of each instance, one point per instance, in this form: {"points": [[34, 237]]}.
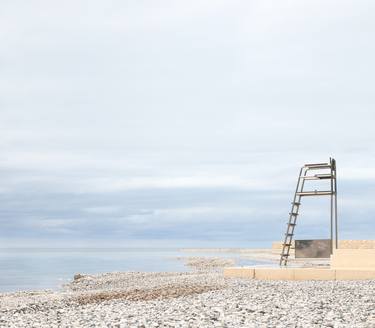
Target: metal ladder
{"points": [[321, 174]]}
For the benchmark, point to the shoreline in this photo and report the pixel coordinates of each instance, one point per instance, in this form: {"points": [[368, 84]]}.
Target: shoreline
{"points": [[202, 297], [213, 259]]}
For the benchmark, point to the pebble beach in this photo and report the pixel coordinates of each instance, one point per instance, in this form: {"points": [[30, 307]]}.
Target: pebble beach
{"points": [[191, 299]]}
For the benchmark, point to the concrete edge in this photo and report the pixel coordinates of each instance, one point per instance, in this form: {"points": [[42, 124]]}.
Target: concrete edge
{"points": [[296, 274]]}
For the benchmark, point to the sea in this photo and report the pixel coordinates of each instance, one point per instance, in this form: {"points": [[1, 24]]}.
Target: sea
{"points": [[25, 269]]}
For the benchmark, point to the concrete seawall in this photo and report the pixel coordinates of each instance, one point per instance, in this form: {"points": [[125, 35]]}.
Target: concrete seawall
{"points": [[299, 273], [345, 244], [345, 264]]}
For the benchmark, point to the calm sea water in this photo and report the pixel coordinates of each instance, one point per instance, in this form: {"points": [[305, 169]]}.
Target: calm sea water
{"points": [[33, 269]]}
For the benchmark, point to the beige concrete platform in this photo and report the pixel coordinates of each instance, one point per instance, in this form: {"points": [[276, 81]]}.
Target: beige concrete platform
{"points": [[350, 274], [343, 244], [353, 259], [345, 264], [314, 274], [262, 273], [272, 274], [239, 272]]}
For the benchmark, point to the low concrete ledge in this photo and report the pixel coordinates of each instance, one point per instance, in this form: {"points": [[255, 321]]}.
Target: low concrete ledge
{"points": [[239, 272], [314, 274], [354, 274], [273, 274], [299, 273], [353, 259]]}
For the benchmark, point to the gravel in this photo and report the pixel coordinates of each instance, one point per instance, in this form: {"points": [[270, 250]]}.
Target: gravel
{"points": [[198, 299], [207, 264]]}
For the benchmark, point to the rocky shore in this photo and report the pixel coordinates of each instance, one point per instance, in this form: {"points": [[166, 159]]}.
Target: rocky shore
{"points": [[207, 264], [199, 299]]}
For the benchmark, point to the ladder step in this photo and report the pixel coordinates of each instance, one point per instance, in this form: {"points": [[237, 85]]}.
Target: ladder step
{"points": [[318, 166], [284, 255], [287, 245], [292, 224], [293, 214], [315, 164], [296, 203], [318, 177], [324, 176], [314, 193], [289, 234]]}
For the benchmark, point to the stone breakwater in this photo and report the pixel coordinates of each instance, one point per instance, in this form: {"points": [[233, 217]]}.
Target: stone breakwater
{"points": [[203, 299]]}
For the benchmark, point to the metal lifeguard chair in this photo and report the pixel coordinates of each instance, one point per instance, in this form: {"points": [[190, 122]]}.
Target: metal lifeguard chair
{"points": [[318, 171]]}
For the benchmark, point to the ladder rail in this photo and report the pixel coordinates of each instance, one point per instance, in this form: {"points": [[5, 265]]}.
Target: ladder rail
{"points": [[298, 198], [292, 218]]}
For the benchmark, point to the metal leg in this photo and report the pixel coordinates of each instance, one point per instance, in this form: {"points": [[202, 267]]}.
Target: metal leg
{"points": [[331, 221], [336, 227]]}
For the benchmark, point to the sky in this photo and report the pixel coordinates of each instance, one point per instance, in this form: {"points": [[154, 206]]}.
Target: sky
{"points": [[182, 123]]}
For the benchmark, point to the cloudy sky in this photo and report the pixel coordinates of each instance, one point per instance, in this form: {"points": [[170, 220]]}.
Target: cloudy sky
{"points": [[182, 123]]}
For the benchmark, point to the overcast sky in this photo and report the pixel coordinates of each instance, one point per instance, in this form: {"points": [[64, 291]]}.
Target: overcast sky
{"points": [[182, 123]]}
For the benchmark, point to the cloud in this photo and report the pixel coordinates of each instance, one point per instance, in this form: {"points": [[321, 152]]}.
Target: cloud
{"points": [[170, 120], [102, 210]]}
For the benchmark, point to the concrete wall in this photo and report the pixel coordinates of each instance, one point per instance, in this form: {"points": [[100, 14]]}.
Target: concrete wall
{"points": [[239, 272], [353, 258], [346, 244], [299, 273], [357, 244]]}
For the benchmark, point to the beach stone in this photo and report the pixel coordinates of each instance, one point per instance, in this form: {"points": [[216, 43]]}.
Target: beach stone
{"points": [[78, 276]]}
